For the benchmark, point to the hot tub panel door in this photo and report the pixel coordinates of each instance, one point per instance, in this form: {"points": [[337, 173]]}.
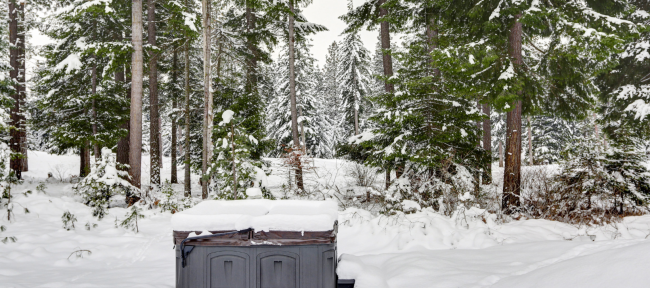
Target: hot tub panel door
{"points": [[228, 270], [278, 271]]}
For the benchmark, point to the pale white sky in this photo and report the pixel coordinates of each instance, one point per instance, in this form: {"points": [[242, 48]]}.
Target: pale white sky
{"points": [[326, 12]]}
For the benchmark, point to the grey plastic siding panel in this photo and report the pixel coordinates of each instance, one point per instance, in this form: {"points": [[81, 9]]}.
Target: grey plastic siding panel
{"points": [[328, 272], [278, 269], [295, 266], [228, 269]]}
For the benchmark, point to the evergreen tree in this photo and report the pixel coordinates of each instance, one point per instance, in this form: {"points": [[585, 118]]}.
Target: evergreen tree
{"points": [[315, 126], [522, 57], [235, 170], [353, 80], [625, 92], [76, 115]]}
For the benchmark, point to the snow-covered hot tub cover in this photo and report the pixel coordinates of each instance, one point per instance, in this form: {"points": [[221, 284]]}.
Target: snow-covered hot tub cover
{"points": [[259, 215]]}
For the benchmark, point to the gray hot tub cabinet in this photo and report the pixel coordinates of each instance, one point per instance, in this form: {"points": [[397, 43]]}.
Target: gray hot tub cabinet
{"points": [[258, 260], [304, 266]]}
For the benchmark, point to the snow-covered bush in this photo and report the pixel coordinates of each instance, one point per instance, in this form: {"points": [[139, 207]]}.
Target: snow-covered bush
{"points": [[104, 181], [7, 239], [68, 220], [593, 185], [167, 199], [445, 190], [7, 179], [233, 167], [131, 220]]}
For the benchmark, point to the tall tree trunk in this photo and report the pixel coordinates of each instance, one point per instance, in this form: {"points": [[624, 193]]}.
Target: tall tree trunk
{"points": [[234, 162], [512, 172], [154, 120], [187, 179], [479, 124], [94, 91], [122, 156], [135, 141], [251, 22], [14, 54], [387, 60], [21, 80], [84, 158], [302, 131], [487, 143], [500, 153], [530, 143], [207, 96], [174, 120], [292, 89]]}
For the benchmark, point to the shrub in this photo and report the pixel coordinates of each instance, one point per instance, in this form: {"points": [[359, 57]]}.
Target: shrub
{"points": [[104, 181]]}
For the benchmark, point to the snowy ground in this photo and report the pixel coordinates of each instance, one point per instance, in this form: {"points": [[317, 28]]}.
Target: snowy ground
{"points": [[423, 249]]}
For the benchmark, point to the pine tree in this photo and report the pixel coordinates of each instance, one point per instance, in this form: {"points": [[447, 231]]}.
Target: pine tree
{"points": [[315, 126], [76, 115], [511, 50], [625, 93], [235, 169], [353, 80]]}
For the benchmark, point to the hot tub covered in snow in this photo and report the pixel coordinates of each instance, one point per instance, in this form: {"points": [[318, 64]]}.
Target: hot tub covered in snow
{"points": [[279, 221], [256, 243]]}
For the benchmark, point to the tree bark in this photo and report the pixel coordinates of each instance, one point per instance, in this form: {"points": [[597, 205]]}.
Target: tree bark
{"points": [[122, 156], [251, 22], [207, 96], [512, 172], [154, 120], [487, 143], [94, 91], [23, 89], [500, 153], [479, 124], [135, 137], [16, 111], [234, 162], [187, 179], [387, 60], [84, 157], [292, 89], [174, 176], [530, 143]]}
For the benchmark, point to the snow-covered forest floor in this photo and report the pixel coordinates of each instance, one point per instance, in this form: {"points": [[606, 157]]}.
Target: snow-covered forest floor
{"points": [[423, 249]]}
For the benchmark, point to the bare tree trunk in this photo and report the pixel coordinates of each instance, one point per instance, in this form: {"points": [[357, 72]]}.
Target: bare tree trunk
{"points": [[292, 88], [154, 116], [187, 179], [94, 91], [479, 124], [530, 143], [23, 89], [512, 172], [122, 156], [234, 163], [500, 153], [135, 141], [387, 60], [14, 60], [82, 161], [86, 156], [174, 176], [251, 20], [207, 95], [487, 143], [302, 130]]}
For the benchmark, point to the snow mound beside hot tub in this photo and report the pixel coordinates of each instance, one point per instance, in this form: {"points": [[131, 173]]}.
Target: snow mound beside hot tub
{"points": [[260, 215]]}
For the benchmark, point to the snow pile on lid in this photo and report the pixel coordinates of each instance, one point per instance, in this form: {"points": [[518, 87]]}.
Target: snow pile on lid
{"points": [[259, 214]]}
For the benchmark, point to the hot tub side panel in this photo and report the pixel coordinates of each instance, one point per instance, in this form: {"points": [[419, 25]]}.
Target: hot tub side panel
{"points": [[307, 266]]}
